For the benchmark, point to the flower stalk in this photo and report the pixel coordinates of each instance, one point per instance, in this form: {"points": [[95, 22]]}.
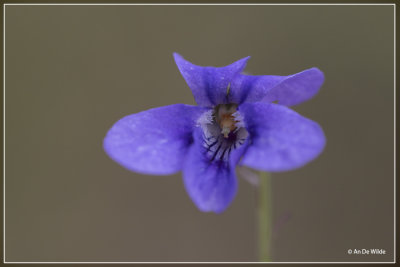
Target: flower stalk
{"points": [[264, 217]]}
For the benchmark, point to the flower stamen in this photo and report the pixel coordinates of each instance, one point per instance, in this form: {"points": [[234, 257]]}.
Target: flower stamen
{"points": [[225, 118]]}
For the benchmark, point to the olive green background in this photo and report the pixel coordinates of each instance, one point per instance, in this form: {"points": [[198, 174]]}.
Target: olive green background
{"points": [[73, 71]]}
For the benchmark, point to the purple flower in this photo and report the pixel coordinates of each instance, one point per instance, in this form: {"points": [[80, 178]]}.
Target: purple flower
{"points": [[234, 123]]}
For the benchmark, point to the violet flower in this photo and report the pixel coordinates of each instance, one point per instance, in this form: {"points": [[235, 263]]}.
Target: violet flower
{"points": [[234, 123]]}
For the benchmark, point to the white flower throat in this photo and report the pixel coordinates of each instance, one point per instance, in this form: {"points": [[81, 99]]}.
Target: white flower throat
{"points": [[223, 131]]}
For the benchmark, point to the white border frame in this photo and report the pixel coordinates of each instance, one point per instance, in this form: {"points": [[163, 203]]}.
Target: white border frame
{"points": [[175, 4]]}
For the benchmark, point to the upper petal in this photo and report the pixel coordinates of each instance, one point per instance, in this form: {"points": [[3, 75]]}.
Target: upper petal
{"points": [[280, 138], [211, 184], [287, 90], [209, 85], [153, 141]]}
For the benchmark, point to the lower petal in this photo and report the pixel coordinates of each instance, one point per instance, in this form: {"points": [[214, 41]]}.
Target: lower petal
{"points": [[153, 141], [281, 139], [211, 184]]}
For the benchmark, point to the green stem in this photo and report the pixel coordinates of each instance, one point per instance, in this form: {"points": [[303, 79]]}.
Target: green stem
{"points": [[264, 217]]}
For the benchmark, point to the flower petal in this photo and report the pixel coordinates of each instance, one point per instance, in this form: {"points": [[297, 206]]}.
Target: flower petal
{"points": [[211, 185], [209, 85], [287, 90], [280, 138], [153, 141]]}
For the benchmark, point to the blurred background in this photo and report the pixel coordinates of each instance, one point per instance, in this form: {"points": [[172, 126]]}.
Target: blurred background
{"points": [[73, 71]]}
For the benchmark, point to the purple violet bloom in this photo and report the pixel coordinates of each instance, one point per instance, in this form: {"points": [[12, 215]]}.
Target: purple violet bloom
{"points": [[234, 123]]}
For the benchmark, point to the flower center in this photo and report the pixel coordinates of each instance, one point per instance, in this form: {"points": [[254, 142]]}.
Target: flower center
{"points": [[223, 131], [224, 116]]}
